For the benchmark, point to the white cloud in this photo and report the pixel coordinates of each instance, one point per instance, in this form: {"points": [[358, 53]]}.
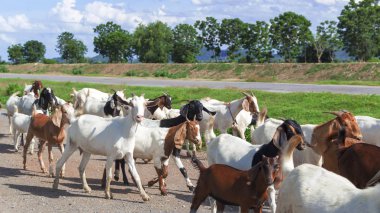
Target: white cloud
{"points": [[16, 23], [67, 12], [201, 2], [326, 2], [7, 39]]}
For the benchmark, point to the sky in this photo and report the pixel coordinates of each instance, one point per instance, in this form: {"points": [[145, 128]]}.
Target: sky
{"points": [[44, 20]]}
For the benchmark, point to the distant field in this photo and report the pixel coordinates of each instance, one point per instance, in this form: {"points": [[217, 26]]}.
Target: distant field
{"points": [[303, 107], [334, 73]]}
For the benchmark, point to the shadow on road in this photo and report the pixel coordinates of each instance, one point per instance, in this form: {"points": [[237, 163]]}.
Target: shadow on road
{"points": [[6, 148], [45, 192], [10, 172]]}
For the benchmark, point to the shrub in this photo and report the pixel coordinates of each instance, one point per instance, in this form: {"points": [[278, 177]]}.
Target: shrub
{"points": [[373, 59], [49, 61], [3, 69], [77, 71], [12, 88]]}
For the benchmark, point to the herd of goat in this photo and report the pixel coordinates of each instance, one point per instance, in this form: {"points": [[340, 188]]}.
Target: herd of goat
{"points": [[331, 167]]}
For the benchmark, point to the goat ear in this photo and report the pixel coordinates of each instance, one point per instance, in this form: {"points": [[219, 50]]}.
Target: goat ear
{"points": [[245, 105], [279, 137], [112, 104], [180, 135], [57, 116]]}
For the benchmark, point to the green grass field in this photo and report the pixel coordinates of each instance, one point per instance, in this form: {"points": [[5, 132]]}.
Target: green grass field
{"points": [[303, 107]]}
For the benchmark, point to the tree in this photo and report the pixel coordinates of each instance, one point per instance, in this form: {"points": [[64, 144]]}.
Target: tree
{"points": [[255, 39], [359, 28], [209, 35], [230, 34], [113, 42], [33, 51], [15, 54], [326, 39], [154, 42], [70, 49], [290, 34], [186, 45]]}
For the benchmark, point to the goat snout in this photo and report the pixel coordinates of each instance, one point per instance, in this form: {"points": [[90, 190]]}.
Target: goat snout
{"points": [[139, 118]]}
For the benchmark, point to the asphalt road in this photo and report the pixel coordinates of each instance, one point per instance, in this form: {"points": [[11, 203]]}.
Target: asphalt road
{"points": [[271, 87]]}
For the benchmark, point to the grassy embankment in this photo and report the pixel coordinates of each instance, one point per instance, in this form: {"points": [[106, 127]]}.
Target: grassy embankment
{"points": [[334, 73]]}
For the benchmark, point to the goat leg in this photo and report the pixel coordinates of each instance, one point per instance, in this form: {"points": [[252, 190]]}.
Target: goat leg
{"points": [[160, 173], [39, 154], [117, 170], [153, 181], [125, 178], [104, 179]]}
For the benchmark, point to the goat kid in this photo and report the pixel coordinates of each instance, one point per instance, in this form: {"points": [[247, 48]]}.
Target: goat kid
{"points": [[20, 124], [230, 186], [12, 101], [50, 131]]}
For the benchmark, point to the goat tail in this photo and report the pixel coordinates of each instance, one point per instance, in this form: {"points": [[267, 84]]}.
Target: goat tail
{"points": [[197, 163]]}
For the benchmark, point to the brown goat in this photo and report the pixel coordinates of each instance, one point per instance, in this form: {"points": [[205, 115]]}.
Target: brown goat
{"points": [[357, 161], [49, 130], [230, 186], [324, 134]]}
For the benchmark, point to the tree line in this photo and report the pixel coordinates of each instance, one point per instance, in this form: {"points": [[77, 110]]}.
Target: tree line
{"points": [[288, 35]]}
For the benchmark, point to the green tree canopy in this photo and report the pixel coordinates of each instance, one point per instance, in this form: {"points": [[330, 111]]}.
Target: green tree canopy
{"points": [[230, 35], [256, 40], [290, 34], [359, 28], [70, 49], [327, 39], [113, 42], [186, 45], [33, 51], [15, 54], [209, 35], [154, 42]]}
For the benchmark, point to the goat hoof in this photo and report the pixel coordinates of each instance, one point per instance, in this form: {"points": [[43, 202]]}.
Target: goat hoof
{"points": [[55, 184], [126, 183], [116, 178], [51, 175], [164, 193], [145, 197], [191, 188], [103, 186], [25, 167], [110, 196], [146, 161], [151, 183], [87, 189]]}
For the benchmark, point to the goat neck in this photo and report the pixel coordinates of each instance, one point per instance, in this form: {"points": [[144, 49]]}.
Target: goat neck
{"points": [[170, 138], [287, 164], [323, 134], [235, 107], [153, 105]]}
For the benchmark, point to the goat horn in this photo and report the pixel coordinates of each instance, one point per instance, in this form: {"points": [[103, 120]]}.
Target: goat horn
{"points": [[246, 94], [252, 94], [133, 94], [336, 113], [113, 90], [165, 93]]}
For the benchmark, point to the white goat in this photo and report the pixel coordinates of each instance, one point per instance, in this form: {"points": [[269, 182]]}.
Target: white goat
{"points": [[264, 133], [369, 127], [111, 137], [313, 189], [20, 124], [80, 97], [12, 101], [226, 114]]}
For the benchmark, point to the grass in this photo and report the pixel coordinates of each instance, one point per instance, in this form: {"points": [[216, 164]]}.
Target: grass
{"points": [[303, 107]]}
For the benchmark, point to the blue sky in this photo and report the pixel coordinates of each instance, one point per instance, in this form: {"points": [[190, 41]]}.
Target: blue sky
{"points": [[44, 20]]}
